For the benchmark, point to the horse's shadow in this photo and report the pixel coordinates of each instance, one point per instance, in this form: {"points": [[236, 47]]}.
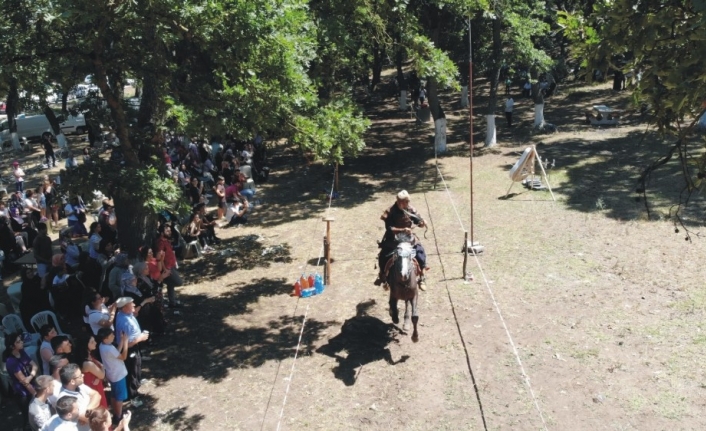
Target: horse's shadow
{"points": [[365, 339]]}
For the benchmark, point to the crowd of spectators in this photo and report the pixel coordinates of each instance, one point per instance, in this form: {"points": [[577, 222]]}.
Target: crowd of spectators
{"points": [[117, 302]]}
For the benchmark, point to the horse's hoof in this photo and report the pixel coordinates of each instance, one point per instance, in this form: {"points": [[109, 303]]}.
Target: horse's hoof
{"points": [[395, 320], [415, 337], [404, 327]]}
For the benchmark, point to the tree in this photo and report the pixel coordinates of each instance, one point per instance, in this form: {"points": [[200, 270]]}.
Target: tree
{"points": [[663, 42], [222, 65]]}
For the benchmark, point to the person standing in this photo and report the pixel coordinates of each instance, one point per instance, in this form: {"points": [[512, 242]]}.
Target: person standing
{"points": [[126, 325], [49, 151], [39, 412], [220, 190], [42, 251], [19, 174], [66, 417], [48, 332], [527, 89], [115, 369], [73, 386], [93, 371], [509, 104], [173, 280]]}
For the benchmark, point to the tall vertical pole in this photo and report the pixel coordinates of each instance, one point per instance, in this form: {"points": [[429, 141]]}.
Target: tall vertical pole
{"points": [[327, 251], [470, 116]]}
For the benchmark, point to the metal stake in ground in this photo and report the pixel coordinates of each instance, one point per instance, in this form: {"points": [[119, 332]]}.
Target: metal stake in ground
{"points": [[327, 250]]}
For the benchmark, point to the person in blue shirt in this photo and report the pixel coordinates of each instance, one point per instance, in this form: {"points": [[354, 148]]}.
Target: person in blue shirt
{"points": [[126, 322]]}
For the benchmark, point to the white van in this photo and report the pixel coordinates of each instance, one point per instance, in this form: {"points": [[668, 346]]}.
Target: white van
{"points": [[34, 126], [72, 124]]}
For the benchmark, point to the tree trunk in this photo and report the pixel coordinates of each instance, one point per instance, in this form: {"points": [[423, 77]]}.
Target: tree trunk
{"points": [[538, 97], [55, 126], [11, 110], [378, 55], [496, 61], [134, 221], [437, 111], [148, 103], [64, 102]]}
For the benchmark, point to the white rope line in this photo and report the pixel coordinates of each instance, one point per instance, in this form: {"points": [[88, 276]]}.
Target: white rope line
{"points": [[291, 372], [497, 309], [512, 343], [450, 198], [306, 312]]}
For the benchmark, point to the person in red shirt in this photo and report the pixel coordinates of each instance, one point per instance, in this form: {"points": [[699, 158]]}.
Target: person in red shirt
{"points": [[164, 244]]}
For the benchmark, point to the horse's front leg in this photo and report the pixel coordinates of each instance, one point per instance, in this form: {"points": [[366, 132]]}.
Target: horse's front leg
{"points": [[405, 326], [415, 318], [393, 309]]}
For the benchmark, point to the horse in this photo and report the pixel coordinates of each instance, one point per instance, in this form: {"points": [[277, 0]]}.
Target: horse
{"points": [[402, 279]]}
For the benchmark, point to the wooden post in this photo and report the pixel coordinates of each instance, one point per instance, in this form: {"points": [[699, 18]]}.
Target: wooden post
{"points": [[327, 250], [465, 254]]}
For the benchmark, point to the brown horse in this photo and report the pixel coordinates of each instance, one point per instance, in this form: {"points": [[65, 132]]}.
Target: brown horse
{"points": [[402, 279]]}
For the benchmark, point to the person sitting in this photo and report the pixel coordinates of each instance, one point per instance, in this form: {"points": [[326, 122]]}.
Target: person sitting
{"points": [[237, 213], [76, 216], [400, 218], [121, 265], [22, 371], [144, 301], [11, 243], [47, 332], [207, 224], [192, 233], [154, 320], [31, 206]]}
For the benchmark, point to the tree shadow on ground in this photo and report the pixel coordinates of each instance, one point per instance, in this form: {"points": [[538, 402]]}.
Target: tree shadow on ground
{"points": [[364, 339], [601, 177], [240, 252], [211, 340], [395, 158], [175, 419]]}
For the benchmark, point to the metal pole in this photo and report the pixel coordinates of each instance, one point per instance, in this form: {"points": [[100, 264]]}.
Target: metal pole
{"points": [[470, 118]]}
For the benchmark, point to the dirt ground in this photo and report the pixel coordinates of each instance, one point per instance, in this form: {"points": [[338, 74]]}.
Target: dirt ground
{"points": [[583, 314]]}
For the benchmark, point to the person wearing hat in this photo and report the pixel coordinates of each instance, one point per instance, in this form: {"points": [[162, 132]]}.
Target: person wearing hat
{"points": [[19, 174], [126, 323], [39, 412], [400, 218]]}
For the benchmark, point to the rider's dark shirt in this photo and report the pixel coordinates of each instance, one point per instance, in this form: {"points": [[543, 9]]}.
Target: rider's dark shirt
{"points": [[397, 218]]}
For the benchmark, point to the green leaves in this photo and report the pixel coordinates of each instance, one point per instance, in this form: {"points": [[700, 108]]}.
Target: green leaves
{"points": [[334, 132]]}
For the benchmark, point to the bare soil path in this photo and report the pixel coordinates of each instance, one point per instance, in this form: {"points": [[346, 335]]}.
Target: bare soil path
{"points": [[603, 306]]}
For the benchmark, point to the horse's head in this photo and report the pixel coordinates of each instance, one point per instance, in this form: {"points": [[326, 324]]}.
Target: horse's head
{"points": [[404, 265]]}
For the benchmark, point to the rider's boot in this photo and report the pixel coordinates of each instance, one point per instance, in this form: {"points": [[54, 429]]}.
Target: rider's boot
{"points": [[422, 284], [380, 280]]}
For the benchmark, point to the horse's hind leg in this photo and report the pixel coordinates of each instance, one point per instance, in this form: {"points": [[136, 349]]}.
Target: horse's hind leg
{"points": [[415, 319], [405, 326], [393, 310]]}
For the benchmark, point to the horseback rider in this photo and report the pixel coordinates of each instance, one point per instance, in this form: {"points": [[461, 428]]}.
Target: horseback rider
{"points": [[400, 218]]}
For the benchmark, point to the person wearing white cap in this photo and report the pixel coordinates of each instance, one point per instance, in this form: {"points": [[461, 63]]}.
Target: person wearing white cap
{"points": [[400, 218], [126, 323]]}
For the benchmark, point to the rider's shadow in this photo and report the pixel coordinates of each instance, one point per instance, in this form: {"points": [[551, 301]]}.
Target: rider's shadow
{"points": [[365, 339]]}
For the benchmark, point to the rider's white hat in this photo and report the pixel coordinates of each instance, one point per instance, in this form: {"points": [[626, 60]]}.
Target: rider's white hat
{"points": [[403, 196]]}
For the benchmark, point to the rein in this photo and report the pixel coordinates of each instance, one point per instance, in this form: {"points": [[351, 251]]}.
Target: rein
{"points": [[414, 216]]}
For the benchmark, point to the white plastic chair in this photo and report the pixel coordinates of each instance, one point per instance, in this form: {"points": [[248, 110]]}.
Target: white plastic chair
{"points": [[13, 323], [42, 318]]}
